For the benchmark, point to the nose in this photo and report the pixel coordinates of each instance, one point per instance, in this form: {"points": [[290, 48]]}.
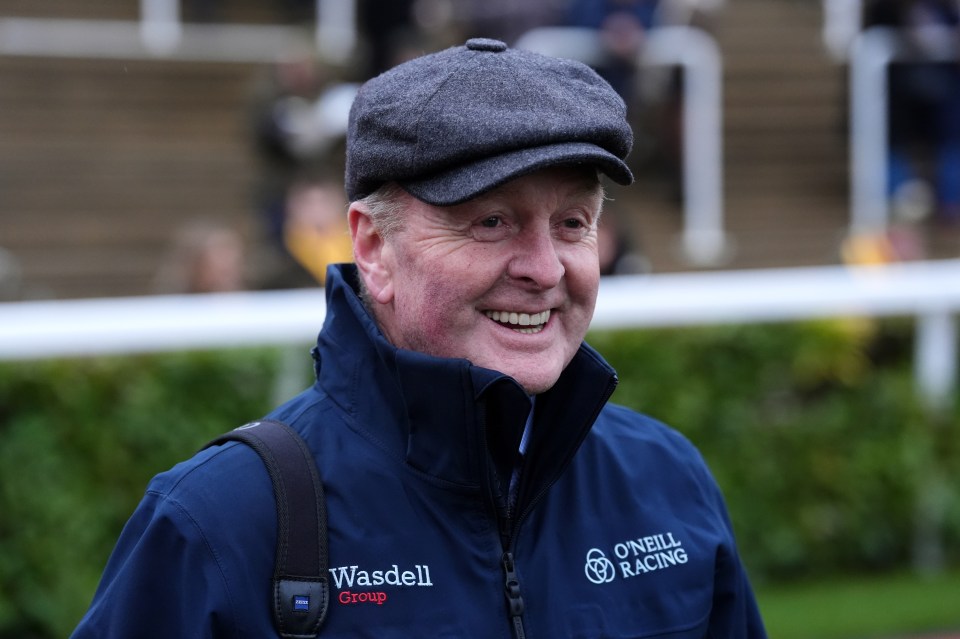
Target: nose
{"points": [[536, 259]]}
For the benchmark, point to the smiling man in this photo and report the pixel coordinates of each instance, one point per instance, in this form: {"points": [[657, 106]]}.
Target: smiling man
{"points": [[478, 482], [507, 280]]}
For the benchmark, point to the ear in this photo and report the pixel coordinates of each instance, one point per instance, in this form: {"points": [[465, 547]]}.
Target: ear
{"points": [[371, 253]]}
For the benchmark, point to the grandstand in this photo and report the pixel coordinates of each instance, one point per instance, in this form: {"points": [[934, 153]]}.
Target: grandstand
{"points": [[103, 159]]}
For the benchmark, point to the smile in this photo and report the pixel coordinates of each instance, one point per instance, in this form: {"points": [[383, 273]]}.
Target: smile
{"points": [[520, 322]]}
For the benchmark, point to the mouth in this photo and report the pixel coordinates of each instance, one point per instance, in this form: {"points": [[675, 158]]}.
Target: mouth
{"points": [[526, 323]]}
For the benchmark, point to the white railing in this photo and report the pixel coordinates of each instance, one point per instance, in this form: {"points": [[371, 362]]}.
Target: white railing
{"points": [[842, 21], [871, 55], [703, 240], [929, 291], [162, 29], [161, 33]]}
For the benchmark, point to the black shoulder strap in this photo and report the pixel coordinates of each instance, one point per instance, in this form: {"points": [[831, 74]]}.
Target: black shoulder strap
{"points": [[301, 593]]}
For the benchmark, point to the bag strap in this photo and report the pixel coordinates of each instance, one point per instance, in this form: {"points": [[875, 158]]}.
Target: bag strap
{"points": [[301, 593]]}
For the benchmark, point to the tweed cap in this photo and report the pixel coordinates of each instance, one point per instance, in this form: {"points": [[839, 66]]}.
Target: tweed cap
{"points": [[452, 125]]}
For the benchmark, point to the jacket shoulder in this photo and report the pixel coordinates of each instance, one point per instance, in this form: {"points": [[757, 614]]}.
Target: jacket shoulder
{"points": [[626, 426], [647, 448], [217, 476], [203, 533]]}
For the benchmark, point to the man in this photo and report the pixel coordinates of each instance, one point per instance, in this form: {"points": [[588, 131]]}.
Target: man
{"points": [[478, 483]]}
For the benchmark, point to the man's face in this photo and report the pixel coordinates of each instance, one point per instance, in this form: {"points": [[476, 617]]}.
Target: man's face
{"points": [[507, 280]]}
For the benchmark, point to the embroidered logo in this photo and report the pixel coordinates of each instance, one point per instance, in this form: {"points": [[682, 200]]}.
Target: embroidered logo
{"points": [[347, 597], [598, 568], [635, 557], [354, 582]]}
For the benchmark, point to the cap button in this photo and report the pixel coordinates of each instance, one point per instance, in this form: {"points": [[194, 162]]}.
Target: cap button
{"points": [[486, 44]]}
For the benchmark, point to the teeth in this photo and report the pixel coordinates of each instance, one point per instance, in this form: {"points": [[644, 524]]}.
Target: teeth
{"points": [[534, 321]]}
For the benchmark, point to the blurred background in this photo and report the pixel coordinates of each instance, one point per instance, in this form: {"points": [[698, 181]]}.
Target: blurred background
{"points": [[196, 146], [137, 133]]}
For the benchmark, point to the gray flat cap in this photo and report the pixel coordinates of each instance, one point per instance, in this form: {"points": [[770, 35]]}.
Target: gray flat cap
{"points": [[452, 125]]}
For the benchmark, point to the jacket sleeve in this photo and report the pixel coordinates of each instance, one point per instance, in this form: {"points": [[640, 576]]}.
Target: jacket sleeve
{"points": [[735, 614], [162, 580]]}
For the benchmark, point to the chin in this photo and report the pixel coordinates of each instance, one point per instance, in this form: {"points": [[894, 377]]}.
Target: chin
{"points": [[535, 374], [536, 385]]}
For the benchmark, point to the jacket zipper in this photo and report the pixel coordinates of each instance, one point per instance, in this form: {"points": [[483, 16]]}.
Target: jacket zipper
{"points": [[512, 592], [511, 584], [509, 524]]}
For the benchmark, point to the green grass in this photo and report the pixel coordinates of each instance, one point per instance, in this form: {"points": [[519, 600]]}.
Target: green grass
{"points": [[863, 608]]}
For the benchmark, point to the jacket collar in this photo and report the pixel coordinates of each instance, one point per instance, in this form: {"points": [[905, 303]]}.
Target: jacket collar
{"points": [[429, 411]]}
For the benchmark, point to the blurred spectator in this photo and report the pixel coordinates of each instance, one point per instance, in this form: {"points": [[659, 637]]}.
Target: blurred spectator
{"points": [[299, 114], [507, 20], [924, 122], [899, 243], [283, 91], [205, 257], [315, 229], [394, 31], [391, 32], [387, 28], [622, 25], [654, 94], [902, 240]]}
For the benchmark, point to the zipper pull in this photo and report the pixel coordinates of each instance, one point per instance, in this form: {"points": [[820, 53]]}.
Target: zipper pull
{"points": [[511, 591]]}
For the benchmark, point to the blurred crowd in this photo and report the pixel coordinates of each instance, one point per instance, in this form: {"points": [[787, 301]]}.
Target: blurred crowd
{"points": [[924, 131], [923, 162], [298, 107]]}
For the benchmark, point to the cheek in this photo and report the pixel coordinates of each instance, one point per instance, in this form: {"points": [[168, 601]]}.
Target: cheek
{"points": [[431, 325], [425, 303], [582, 271]]}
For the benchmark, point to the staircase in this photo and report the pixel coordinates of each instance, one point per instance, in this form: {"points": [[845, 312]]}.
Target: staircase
{"points": [[102, 161], [786, 161], [784, 145]]}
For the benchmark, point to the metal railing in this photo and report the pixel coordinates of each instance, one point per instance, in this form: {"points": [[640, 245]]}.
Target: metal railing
{"points": [[335, 35], [929, 291], [704, 240], [871, 54], [161, 33]]}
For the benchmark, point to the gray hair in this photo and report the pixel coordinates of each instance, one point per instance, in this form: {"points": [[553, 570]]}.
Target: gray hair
{"points": [[385, 207]]}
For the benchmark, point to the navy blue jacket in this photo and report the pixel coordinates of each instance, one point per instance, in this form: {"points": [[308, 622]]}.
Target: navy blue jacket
{"points": [[617, 528]]}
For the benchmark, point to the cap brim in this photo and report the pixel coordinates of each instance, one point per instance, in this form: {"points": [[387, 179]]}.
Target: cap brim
{"points": [[469, 180]]}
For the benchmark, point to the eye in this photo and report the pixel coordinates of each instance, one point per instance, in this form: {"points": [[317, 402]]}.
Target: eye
{"points": [[491, 227], [573, 228]]}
